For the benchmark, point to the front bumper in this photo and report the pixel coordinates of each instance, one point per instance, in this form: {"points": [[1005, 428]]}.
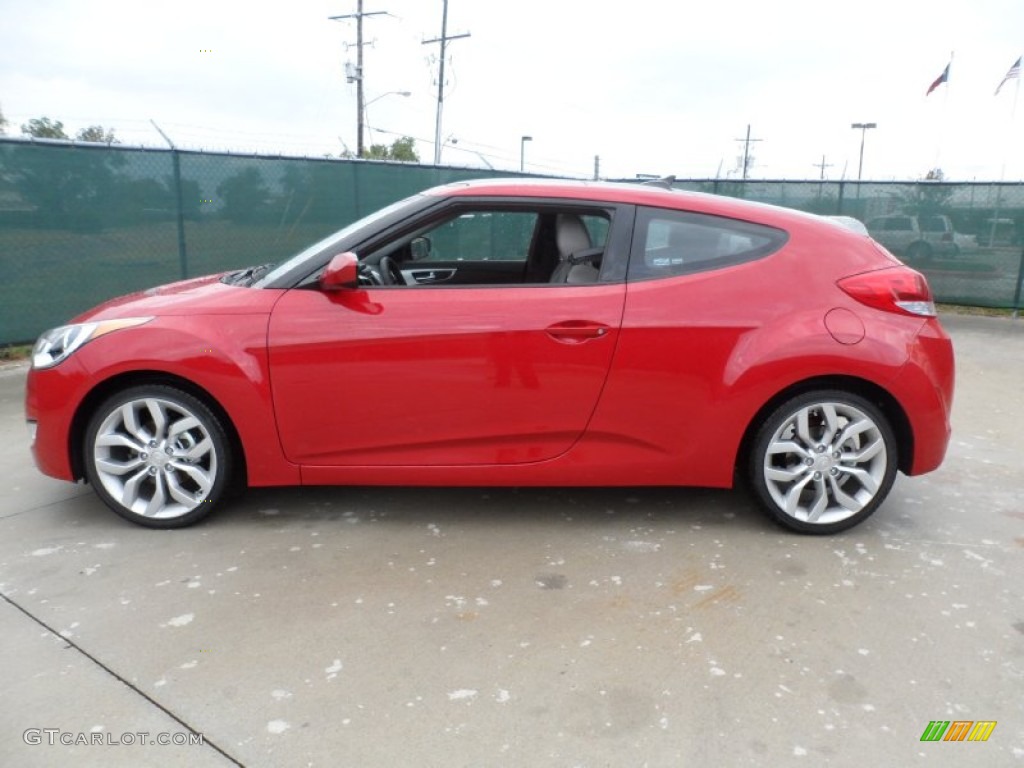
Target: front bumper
{"points": [[52, 397]]}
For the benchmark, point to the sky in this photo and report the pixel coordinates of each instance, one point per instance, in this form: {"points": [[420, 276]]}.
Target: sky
{"points": [[651, 87]]}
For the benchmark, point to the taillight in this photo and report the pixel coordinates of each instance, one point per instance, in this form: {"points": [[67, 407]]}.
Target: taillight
{"points": [[894, 289]]}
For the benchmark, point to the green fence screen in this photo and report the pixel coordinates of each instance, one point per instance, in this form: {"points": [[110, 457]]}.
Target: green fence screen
{"points": [[82, 223], [967, 238]]}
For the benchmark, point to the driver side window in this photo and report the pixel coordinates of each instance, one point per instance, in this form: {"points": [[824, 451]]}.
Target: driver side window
{"points": [[488, 246]]}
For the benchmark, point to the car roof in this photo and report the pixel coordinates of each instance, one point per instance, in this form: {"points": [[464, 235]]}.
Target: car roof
{"points": [[629, 193]]}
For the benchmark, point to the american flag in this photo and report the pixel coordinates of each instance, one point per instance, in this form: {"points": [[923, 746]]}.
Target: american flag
{"points": [[1012, 74], [943, 78]]}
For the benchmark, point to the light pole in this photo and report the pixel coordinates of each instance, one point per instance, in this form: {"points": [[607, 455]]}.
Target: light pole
{"points": [[366, 116], [522, 152], [863, 127]]}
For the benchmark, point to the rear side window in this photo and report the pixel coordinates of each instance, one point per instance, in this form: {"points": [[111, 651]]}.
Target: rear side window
{"points": [[933, 224], [899, 224], [668, 243]]}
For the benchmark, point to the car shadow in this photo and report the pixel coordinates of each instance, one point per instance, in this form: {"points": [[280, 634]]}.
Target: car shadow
{"points": [[493, 506]]}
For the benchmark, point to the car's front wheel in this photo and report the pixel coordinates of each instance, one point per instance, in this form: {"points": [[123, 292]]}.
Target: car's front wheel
{"points": [[157, 456], [823, 461]]}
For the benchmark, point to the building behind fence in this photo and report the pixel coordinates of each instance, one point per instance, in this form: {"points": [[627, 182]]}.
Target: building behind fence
{"points": [[82, 223]]}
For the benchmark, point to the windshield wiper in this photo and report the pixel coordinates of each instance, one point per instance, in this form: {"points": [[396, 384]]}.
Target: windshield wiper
{"points": [[246, 276]]}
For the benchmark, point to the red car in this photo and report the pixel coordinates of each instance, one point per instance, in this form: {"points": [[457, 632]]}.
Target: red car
{"points": [[515, 333]]}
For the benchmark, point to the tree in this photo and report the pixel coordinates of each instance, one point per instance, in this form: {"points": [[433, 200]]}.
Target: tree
{"points": [[68, 188], [402, 150], [98, 134], [3, 123], [931, 195], [44, 128], [245, 196]]}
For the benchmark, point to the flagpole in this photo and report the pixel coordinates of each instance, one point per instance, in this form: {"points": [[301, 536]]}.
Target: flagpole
{"points": [[941, 139], [1007, 140], [945, 111], [1013, 112], [1020, 266]]}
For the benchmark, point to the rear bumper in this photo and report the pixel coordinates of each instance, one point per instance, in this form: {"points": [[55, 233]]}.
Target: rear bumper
{"points": [[925, 386]]}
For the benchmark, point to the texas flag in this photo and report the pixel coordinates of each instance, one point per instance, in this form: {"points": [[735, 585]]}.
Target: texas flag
{"points": [[943, 78]]}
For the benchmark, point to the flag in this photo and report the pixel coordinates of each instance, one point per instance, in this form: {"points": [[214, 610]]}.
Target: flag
{"points": [[943, 78], [1012, 74]]}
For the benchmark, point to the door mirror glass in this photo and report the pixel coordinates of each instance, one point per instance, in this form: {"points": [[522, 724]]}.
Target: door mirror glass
{"points": [[420, 248]]}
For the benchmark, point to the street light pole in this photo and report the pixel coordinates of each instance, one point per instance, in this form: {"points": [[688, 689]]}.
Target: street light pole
{"points": [[863, 127], [366, 115], [522, 152]]}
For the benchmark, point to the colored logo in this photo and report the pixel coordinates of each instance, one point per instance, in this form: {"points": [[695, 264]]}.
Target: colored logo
{"points": [[958, 730]]}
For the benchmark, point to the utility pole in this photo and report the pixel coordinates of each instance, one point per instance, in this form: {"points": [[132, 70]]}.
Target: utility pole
{"points": [[863, 128], [358, 75], [522, 152], [822, 166], [597, 167], [746, 151], [443, 40]]}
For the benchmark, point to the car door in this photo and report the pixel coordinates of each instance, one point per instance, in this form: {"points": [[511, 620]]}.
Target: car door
{"points": [[439, 374]]}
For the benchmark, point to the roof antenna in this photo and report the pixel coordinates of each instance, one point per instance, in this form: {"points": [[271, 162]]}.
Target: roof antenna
{"points": [[665, 182]]}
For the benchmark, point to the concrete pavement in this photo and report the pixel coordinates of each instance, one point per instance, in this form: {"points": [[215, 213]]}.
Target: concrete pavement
{"points": [[477, 627]]}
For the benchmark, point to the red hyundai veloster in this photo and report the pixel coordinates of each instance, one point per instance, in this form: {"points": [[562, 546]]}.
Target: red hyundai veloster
{"points": [[515, 333]]}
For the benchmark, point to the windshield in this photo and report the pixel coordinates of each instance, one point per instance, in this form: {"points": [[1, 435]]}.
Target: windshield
{"points": [[331, 241]]}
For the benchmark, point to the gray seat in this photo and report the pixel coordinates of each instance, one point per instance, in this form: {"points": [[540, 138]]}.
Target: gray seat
{"points": [[576, 252]]}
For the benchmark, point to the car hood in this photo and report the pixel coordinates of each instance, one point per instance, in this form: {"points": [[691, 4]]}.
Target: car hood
{"points": [[198, 296]]}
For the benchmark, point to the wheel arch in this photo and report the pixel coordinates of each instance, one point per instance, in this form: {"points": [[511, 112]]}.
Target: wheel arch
{"points": [[122, 381], [888, 404]]}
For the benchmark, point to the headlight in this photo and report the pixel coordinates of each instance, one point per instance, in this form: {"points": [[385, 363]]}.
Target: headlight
{"points": [[59, 344]]}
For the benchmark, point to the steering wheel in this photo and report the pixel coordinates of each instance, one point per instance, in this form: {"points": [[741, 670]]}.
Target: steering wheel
{"points": [[389, 272]]}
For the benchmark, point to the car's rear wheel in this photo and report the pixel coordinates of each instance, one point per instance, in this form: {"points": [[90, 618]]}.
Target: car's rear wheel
{"points": [[920, 252], [157, 456], [823, 461]]}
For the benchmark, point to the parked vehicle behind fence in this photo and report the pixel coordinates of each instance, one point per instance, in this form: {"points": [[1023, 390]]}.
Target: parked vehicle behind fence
{"points": [[917, 238]]}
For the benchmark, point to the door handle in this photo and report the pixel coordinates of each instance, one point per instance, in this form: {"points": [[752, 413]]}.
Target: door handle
{"points": [[576, 331], [432, 275]]}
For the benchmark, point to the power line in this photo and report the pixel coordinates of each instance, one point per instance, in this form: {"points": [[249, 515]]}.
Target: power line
{"points": [[443, 40]]}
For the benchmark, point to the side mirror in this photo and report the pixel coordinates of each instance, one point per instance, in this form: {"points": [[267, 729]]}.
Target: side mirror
{"points": [[341, 273], [420, 247]]}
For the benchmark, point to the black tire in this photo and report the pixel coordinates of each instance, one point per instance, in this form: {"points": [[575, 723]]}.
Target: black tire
{"points": [[828, 474], [919, 252], [157, 456]]}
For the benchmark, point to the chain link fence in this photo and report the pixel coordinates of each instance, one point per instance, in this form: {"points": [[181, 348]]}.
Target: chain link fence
{"points": [[82, 223]]}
